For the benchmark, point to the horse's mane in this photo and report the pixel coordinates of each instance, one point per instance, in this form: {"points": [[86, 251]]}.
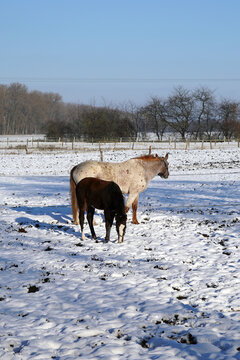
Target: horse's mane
{"points": [[148, 157]]}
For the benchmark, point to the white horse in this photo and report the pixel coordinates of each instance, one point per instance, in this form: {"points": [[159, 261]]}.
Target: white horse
{"points": [[132, 176]]}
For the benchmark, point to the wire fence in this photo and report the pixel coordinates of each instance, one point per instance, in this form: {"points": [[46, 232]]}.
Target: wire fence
{"points": [[30, 144]]}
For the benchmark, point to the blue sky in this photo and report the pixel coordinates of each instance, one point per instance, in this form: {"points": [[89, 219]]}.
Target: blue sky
{"points": [[114, 51]]}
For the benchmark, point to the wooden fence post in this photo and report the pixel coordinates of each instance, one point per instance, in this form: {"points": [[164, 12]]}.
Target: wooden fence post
{"points": [[101, 152], [150, 150]]}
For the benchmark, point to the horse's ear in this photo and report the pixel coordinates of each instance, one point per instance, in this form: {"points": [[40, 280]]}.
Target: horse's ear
{"points": [[156, 155], [166, 156]]}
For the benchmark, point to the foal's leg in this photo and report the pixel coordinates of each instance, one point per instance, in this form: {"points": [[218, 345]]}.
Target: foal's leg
{"points": [[90, 214], [109, 216]]}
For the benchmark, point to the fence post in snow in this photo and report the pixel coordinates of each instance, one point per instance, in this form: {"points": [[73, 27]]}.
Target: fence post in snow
{"points": [[101, 152], [150, 150], [202, 147]]}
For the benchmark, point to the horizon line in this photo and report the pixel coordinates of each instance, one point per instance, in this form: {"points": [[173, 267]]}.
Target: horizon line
{"points": [[112, 80]]}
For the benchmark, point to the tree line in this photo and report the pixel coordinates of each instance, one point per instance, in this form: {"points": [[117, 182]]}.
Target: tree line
{"points": [[196, 113]]}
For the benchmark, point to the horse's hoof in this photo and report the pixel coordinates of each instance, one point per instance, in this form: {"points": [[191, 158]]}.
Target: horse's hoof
{"points": [[76, 222], [135, 222]]}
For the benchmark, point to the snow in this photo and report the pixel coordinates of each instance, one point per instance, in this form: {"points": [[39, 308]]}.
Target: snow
{"points": [[169, 291]]}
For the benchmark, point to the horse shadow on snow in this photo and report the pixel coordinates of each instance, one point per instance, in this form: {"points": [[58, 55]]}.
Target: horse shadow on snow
{"points": [[179, 197]]}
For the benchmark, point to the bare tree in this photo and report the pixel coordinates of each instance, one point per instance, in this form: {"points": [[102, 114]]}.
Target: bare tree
{"points": [[205, 112], [228, 112], [135, 116], [3, 115], [180, 110], [156, 116], [16, 109]]}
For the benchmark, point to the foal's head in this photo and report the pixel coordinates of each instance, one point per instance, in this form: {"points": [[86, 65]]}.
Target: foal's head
{"points": [[164, 168], [121, 223]]}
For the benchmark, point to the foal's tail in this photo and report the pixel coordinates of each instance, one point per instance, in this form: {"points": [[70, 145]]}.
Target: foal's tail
{"points": [[74, 197]]}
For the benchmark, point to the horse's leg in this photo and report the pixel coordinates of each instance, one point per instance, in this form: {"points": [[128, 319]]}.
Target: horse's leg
{"points": [[75, 211], [134, 208], [108, 223], [90, 214], [81, 221], [132, 200]]}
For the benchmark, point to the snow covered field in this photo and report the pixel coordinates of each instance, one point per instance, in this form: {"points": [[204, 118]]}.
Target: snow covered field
{"points": [[170, 291]]}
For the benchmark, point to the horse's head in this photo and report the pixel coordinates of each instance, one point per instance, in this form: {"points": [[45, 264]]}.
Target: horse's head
{"points": [[121, 222], [164, 167]]}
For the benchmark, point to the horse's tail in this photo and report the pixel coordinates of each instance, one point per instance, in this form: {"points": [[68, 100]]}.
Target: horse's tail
{"points": [[74, 197]]}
